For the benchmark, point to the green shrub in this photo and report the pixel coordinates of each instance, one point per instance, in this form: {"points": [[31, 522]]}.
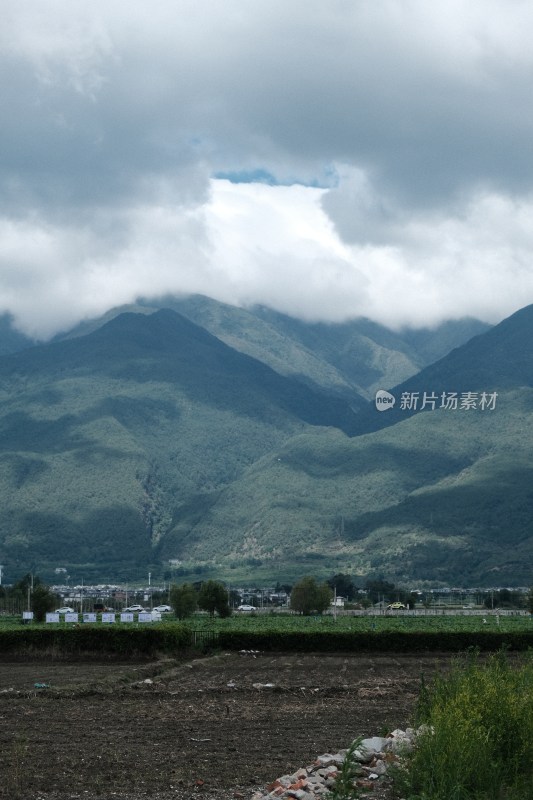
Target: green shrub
{"points": [[112, 640], [42, 600], [479, 740], [328, 641]]}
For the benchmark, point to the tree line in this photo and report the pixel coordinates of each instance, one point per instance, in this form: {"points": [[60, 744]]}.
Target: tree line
{"points": [[307, 596]]}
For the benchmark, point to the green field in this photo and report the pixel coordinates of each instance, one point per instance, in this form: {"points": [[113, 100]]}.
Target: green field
{"points": [[262, 623], [286, 623], [272, 632]]}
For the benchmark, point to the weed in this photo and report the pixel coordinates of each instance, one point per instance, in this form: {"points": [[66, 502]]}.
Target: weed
{"points": [[14, 775], [345, 787]]}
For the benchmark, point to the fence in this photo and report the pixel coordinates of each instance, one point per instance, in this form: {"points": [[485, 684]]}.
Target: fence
{"points": [[204, 638]]}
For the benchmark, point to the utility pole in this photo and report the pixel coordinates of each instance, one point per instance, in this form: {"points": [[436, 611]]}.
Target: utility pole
{"points": [[30, 591], [1, 572]]}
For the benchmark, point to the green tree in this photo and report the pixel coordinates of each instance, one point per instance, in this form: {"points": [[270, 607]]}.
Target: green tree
{"points": [[42, 600], [379, 589], [343, 584], [234, 598], [407, 598], [529, 600], [323, 598], [184, 600], [224, 610], [308, 596], [214, 597], [20, 589], [503, 599]]}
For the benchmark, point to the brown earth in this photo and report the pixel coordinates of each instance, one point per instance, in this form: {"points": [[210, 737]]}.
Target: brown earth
{"points": [[191, 729]]}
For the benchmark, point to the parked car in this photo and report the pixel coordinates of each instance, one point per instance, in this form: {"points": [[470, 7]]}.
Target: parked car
{"points": [[65, 610], [163, 609], [246, 608], [134, 608]]}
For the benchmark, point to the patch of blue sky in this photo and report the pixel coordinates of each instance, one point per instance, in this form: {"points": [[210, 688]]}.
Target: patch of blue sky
{"points": [[327, 180], [248, 176]]}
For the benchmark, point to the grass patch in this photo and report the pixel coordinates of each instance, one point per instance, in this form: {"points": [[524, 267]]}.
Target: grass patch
{"points": [[479, 741]]}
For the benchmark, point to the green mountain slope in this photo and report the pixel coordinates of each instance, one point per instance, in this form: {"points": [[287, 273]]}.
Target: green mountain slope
{"points": [[440, 495], [343, 359], [105, 437], [495, 361], [273, 343], [370, 355], [358, 356], [147, 440]]}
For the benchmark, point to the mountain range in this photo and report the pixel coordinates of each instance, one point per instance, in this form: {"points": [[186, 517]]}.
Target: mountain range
{"points": [[190, 437]]}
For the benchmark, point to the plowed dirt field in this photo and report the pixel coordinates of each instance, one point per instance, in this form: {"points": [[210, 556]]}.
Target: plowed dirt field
{"points": [[206, 728]]}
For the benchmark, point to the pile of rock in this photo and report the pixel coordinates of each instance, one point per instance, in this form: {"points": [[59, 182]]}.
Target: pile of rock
{"points": [[373, 757]]}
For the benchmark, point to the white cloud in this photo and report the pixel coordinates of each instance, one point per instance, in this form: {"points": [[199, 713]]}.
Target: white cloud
{"points": [[278, 247], [53, 276], [275, 245]]}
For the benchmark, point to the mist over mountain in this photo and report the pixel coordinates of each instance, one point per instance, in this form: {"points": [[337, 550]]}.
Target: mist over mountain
{"points": [[11, 340], [358, 356]]}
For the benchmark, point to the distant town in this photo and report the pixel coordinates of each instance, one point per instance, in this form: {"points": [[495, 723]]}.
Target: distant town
{"points": [[270, 597]]}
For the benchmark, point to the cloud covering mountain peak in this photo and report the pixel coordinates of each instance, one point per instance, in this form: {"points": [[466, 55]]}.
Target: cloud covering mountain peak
{"points": [[396, 137]]}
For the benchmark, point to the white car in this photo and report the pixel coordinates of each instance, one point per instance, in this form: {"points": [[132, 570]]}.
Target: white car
{"points": [[163, 609], [134, 608], [65, 610], [246, 608]]}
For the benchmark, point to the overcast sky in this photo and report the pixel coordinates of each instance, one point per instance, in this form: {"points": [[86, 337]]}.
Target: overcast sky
{"points": [[328, 158]]}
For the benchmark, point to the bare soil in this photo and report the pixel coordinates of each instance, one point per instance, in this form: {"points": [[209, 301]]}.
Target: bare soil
{"points": [[197, 729]]}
